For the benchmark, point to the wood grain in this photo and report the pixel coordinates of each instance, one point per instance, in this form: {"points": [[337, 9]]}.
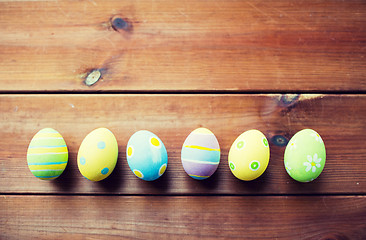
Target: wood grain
{"points": [[175, 47], [183, 45], [340, 120], [112, 217]]}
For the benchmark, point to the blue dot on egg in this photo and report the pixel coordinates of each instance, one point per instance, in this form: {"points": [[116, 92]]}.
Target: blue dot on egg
{"points": [[86, 178], [101, 145], [105, 171], [82, 160]]}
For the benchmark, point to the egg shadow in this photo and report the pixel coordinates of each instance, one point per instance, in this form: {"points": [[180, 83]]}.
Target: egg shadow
{"points": [[255, 186], [160, 185], [114, 181], [66, 181], [205, 186], [212, 182], [312, 188]]}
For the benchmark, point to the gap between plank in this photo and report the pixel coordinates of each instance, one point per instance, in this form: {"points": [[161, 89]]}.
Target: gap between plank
{"points": [[168, 92], [187, 195]]}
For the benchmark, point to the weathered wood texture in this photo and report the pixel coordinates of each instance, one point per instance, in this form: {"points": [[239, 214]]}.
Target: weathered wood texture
{"points": [[166, 46], [340, 120], [113, 217], [251, 45]]}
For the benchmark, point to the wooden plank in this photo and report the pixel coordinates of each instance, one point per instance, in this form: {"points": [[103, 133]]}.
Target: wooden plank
{"points": [[340, 120], [113, 217], [183, 45]]}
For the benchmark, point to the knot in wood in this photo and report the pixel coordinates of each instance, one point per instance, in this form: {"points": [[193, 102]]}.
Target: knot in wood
{"points": [[119, 23], [92, 77]]}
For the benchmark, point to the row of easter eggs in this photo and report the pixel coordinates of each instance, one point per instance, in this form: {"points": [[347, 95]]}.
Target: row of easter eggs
{"points": [[147, 157]]}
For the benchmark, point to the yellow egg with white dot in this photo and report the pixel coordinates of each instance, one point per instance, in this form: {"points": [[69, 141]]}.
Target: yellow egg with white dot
{"points": [[98, 153], [249, 155]]}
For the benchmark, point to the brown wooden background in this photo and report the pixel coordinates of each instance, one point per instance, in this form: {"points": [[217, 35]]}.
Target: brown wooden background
{"points": [[170, 67]]}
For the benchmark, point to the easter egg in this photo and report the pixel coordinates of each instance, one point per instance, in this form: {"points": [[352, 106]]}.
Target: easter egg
{"points": [[98, 154], [200, 154], [249, 155], [305, 156], [47, 154], [146, 155]]}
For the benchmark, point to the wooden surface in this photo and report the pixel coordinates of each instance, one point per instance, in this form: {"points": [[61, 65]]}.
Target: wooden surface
{"points": [[147, 217], [170, 67], [340, 120], [183, 45]]}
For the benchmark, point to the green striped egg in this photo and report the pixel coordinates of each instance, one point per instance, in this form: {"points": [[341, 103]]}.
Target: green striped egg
{"points": [[47, 154]]}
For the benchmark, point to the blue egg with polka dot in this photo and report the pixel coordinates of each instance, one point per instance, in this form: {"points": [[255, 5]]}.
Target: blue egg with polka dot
{"points": [[146, 155], [98, 154]]}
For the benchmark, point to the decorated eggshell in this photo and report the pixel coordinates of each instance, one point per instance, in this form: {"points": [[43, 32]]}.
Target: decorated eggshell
{"points": [[249, 155], [47, 154], [200, 154], [146, 155], [305, 156], [98, 154]]}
